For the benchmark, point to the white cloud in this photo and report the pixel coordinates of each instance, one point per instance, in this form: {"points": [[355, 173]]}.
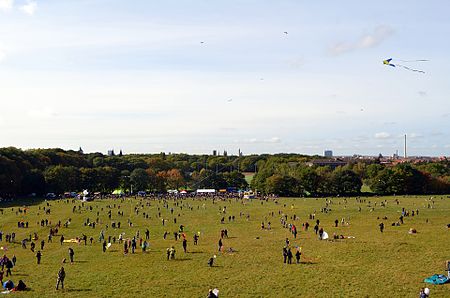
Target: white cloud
{"points": [[415, 136], [273, 140], [422, 93], [366, 41], [42, 113], [382, 135], [2, 55], [295, 63], [6, 5], [29, 8]]}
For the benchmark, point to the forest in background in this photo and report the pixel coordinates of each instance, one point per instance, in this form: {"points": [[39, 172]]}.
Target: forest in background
{"points": [[39, 171]]}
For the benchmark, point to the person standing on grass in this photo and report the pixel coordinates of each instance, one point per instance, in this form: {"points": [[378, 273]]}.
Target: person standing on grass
{"points": [[381, 225], [61, 277], [184, 245], [220, 244], [297, 256], [195, 239], [71, 254], [38, 257], [42, 244], [61, 240], [285, 254], [316, 228], [8, 264], [289, 255]]}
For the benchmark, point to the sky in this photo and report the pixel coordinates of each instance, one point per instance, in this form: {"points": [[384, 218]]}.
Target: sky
{"points": [[194, 76]]}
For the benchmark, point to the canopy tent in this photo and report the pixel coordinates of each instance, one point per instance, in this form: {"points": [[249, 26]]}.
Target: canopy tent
{"points": [[118, 192], [206, 191]]}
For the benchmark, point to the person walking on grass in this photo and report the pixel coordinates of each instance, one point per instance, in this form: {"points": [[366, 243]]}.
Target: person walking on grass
{"points": [[60, 278]]}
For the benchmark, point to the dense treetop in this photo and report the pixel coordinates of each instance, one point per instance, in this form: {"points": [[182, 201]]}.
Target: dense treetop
{"points": [[39, 171]]}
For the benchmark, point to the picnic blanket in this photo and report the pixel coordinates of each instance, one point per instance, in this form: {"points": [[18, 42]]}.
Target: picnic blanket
{"points": [[437, 279]]}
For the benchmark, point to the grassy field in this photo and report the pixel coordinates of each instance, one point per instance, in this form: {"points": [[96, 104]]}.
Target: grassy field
{"points": [[373, 264]]}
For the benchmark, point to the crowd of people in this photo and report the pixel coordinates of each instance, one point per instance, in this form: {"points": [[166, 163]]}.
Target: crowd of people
{"points": [[166, 209]]}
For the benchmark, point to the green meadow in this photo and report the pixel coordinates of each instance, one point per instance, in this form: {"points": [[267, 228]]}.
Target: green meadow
{"points": [[372, 264]]}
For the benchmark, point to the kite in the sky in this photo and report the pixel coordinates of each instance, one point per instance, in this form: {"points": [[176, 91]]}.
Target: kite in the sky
{"points": [[391, 61]]}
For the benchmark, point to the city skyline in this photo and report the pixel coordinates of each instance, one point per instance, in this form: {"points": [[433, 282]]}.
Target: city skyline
{"points": [[183, 76]]}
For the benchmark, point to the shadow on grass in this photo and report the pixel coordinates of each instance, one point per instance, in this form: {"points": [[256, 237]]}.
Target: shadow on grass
{"points": [[196, 252], [308, 263], [182, 260], [21, 274], [78, 290]]}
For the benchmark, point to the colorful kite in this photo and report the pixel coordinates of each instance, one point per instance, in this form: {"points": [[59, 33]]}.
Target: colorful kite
{"points": [[390, 63]]}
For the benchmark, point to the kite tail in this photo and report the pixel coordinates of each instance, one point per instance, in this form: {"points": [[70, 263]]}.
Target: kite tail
{"points": [[419, 60], [411, 69]]}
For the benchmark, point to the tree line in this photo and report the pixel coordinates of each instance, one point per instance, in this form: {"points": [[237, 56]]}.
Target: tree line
{"points": [[23, 172], [287, 177]]}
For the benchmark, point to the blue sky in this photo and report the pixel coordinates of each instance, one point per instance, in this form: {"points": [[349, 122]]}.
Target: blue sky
{"points": [[193, 76]]}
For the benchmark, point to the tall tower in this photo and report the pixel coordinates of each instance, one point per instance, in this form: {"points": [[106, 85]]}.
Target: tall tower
{"points": [[405, 148]]}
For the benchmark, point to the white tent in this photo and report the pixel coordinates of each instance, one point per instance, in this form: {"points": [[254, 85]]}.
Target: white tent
{"points": [[206, 190]]}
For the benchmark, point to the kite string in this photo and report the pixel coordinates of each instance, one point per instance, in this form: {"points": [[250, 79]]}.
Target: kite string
{"points": [[411, 69]]}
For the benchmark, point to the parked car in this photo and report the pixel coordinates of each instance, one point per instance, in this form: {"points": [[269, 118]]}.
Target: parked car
{"points": [[50, 195]]}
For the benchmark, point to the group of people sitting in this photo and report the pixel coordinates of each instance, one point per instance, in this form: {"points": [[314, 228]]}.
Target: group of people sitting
{"points": [[9, 286]]}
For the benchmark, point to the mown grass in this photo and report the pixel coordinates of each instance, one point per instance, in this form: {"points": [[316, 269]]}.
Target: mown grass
{"points": [[392, 264]]}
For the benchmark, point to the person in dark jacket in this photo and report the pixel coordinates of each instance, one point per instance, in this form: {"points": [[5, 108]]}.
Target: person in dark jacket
{"points": [[61, 277], [289, 252], [38, 257], [8, 266], [71, 254], [297, 256]]}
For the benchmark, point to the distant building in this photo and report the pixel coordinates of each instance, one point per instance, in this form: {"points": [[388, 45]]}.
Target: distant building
{"points": [[240, 154], [328, 153], [80, 151], [111, 152], [214, 152], [225, 153]]}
